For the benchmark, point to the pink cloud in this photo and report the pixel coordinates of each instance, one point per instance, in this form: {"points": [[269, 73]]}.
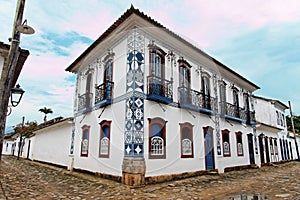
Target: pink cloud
{"points": [[207, 21]]}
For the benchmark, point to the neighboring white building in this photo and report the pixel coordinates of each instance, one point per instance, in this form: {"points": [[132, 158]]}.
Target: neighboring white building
{"points": [[50, 142], [9, 144], [149, 105], [275, 142]]}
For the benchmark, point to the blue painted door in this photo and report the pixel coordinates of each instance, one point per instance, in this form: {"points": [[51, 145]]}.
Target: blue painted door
{"points": [[209, 149]]}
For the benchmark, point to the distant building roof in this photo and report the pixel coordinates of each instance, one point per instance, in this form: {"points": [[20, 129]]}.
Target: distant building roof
{"points": [[274, 101]]}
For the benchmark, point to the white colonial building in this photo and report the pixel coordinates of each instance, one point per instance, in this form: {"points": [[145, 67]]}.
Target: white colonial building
{"points": [[149, 105]]}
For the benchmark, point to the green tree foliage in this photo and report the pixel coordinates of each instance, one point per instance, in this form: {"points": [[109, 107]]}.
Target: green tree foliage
{"points": [[46, 111], [27, 129], [296, 123]]}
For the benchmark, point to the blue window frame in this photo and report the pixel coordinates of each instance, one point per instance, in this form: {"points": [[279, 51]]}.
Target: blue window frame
{"points": [[157, 138], [85, 141], [104, 143]]}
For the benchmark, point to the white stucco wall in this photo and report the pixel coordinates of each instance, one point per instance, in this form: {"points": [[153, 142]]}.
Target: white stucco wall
{"points": [[51, 144], [265, 112], [173, 162], [8, 147], [235, 160], [93, 162]]}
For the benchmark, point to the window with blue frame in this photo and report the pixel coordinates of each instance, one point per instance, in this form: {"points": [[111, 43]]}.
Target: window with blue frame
{"points": [[156, 78], [184, 76], [157, 138], [85, 141], [186, 132], [239, 143], [226, 143], [205, 82], [108, 71], [104, 143], [236, 104], [184, 82]]}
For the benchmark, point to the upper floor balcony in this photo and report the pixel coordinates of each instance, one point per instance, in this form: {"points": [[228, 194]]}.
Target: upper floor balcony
{"points": [[233, 112], [159, 89], [85, 102], [104, 94], [196, 100]]}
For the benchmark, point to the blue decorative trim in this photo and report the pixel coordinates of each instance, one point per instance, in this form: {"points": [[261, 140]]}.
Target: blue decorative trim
{"points": [[85, 110], [159, 98], [196, 108], [72, 137], [134, 106], [103, 103], [234, 118]]}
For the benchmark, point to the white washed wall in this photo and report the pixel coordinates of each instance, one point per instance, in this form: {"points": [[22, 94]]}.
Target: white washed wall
{"points": [[274, 134], [113, 164], [173, 162], [7, 147], [234, 159], [114, 113], [51, 144]]}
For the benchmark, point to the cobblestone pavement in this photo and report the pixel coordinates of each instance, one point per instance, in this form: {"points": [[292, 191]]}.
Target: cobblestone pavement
{"points": [[24, 179]]}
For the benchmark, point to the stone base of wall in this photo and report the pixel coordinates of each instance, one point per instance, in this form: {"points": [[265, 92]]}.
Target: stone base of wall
{"points": [[171, 177], [241, 167], [133, 171]]}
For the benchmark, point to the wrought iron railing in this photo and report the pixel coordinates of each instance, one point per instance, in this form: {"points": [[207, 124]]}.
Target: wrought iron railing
{"points": [[195, 98], [250, 117], [233, 111], [160, 87], [104, 92], [85, 101]]}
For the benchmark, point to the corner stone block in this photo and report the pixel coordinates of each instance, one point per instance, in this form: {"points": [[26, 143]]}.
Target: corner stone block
{"points": [[133, 171]]}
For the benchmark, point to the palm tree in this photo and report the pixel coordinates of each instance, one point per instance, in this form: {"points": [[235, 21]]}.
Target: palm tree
{"points": [[46, 111]]}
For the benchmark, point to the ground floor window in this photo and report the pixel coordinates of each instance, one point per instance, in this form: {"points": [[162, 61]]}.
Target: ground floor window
{"points": [[271, 146], [275, 147], [104, 143], [239, 141], [85, 140], [186, 133], [226, 142], [157, 138]]}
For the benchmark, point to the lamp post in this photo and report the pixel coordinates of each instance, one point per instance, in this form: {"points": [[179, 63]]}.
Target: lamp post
{"points": [[10, 73]]}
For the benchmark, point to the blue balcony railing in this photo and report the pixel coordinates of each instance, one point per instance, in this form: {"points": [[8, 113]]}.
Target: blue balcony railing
{"points": [[159, 89], [233, 112], [196, 100], [104, 94], [85, 102]]}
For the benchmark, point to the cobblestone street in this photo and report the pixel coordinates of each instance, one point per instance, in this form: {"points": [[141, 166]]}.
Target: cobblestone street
{"points": [[24, 179]]}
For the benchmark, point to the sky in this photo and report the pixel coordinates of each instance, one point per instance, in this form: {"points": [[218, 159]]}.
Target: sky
{"points": [[258, 39]]}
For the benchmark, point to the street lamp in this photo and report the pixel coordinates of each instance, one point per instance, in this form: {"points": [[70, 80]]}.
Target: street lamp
{"points": [[16, 94], [13, 67]]}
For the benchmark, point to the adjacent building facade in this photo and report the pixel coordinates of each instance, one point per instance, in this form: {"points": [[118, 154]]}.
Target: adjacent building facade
{"points": [[275, 142]]}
